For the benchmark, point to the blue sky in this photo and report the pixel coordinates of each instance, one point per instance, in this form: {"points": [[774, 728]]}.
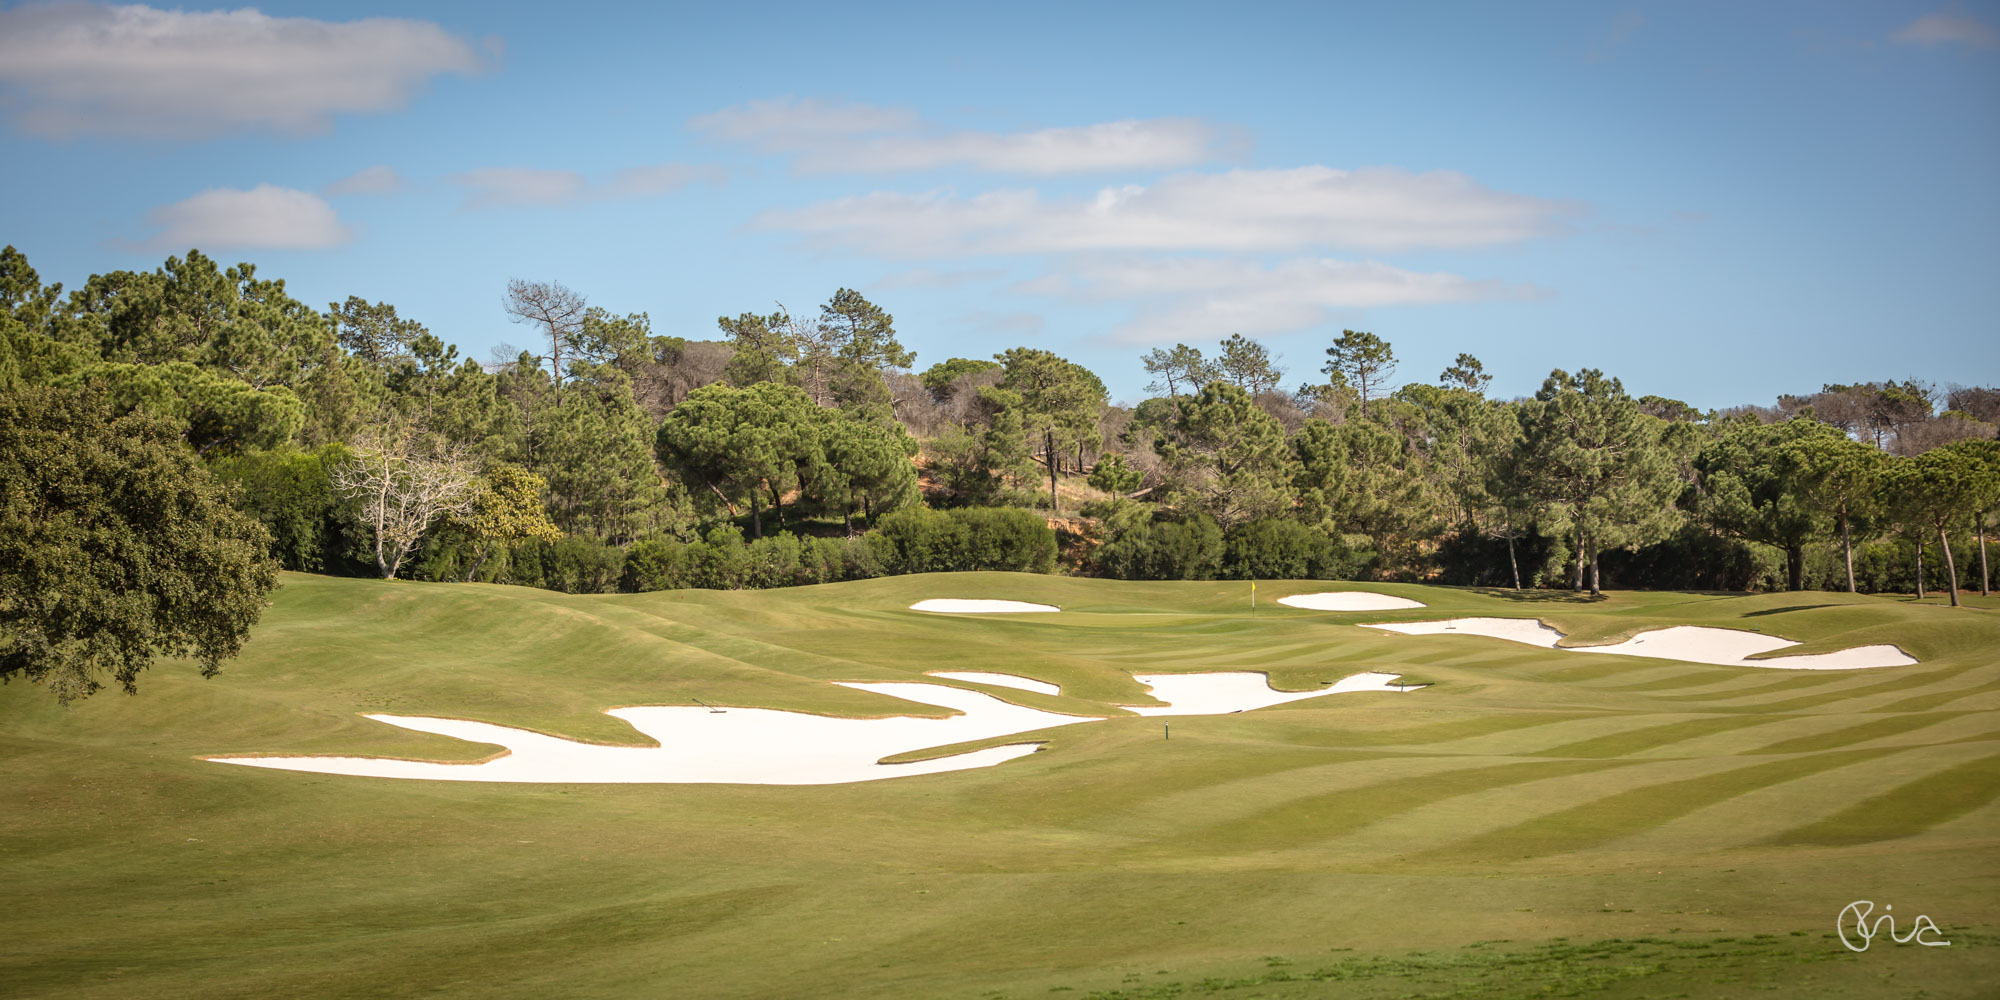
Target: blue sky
{"points": [[1717, 202]]}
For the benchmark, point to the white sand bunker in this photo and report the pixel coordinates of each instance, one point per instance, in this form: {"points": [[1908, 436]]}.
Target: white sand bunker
{"points": [[954, 606], [1349, 600], [759, 746], [1688, 643], [1239, 691], [1003, 680]]}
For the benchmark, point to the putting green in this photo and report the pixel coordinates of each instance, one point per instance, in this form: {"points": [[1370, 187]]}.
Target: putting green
{"points": [[1625, 826]]}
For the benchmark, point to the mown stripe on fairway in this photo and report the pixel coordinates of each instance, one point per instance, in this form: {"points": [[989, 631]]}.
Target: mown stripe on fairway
{"points": [[1693, 677], [1323, 817], [1603, 820], [1939, 699], [1907, 810], [1631, 741], [1428, 734], [1760, 681], [1896, 680], [1894, 725]]}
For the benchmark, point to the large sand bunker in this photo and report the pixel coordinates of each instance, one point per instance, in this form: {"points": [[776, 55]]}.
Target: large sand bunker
{"points": [[1239, 691], [759, 746], [1688, 643], [1348, 600], [956, 606]]}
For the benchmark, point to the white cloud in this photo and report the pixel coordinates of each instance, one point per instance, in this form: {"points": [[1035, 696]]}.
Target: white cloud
{"points": [[663, 178], [1376, 209], [924, 277], [87, 68], [1197, 298], [502, 187], [860, 138], [264, 217], [1947, 29], [372, 180], [787, 125], [493, 187]]}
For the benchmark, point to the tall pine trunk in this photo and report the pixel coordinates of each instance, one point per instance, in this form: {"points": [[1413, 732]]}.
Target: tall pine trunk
{"points": [[1511, 561], [1595, 589], [1795, 567], [1920, 567], [778, 504], [1950, 567], [1049, 448], [1847, 549], [1979, 528], [1576, 572]]}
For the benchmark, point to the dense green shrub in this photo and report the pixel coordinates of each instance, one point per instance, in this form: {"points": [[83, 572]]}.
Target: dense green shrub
{"points": [[917, 540], [290, 492], [1142, 548], [1694, 558], [571, 564], [1280, 549], [1470, 558], [724, 561]]}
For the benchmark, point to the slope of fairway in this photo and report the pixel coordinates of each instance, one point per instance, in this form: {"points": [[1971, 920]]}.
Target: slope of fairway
{"points": [[1628, 826]]}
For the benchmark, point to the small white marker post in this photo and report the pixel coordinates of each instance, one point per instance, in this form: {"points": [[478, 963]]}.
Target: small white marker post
{"points": [[1167, 728]]}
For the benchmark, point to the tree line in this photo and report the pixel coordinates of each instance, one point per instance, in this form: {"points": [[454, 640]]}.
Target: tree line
{"points": [[189, 430]]}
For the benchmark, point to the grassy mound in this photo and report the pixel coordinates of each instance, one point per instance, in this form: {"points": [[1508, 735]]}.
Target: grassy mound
{"points": [[1626, 826]]}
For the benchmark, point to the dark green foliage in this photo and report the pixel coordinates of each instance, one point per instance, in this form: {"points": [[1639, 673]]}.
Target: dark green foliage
{"points": [[1225, 457], [1179, 370], [1247, 365], [1695, 558], [864, 334], [1112, 475], [572, 565], [116, 546], [971, 538], [723, 561], [942, 377], [1139, 547], [1750, 490], [1361, 360], [1059, 403], [1606, 472], [1275, 548], [217, 414], [1466, 373], [290, 492], [857, 464], [228, 321], [1362, 478]]}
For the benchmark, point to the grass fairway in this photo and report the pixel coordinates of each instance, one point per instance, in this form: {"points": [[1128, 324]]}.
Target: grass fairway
{"points": [[1536, 820]]}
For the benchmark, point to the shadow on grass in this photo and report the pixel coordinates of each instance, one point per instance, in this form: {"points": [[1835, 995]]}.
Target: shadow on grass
{"points": [[1780, 611], [1536, 596]]}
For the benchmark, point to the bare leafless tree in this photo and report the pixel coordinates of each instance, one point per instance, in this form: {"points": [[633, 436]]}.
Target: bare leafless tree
{"points": [[553, 309], [401, 484], [818, 346]]}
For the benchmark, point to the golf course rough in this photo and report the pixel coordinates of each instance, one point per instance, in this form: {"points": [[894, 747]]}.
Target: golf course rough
{"points": [[1621, 826]]}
